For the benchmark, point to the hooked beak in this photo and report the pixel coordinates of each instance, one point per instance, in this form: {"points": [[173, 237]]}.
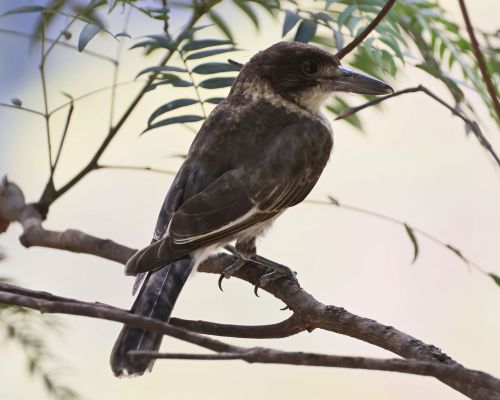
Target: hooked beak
{"points": [[350, 81]]}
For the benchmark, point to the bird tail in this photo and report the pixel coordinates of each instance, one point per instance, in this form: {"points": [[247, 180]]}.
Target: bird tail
{"points": [[155, 300]]}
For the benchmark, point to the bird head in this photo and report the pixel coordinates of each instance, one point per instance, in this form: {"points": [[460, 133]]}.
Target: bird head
{"points": [[303, 74]]}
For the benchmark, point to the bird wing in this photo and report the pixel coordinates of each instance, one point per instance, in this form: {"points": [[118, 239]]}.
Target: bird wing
{"points": [[279, 176]]}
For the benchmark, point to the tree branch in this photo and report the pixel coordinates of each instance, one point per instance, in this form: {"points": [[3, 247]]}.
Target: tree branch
{"points": [[480, 59], [472, 124], [270, 356], [308, 313], [362, 36]]}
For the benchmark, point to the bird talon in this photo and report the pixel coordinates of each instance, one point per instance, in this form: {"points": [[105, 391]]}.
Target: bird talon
{"points": [[219, 283], [256, 288]]}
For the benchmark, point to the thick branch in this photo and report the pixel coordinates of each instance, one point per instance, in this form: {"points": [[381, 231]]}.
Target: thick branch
{"points": [[480, 58], [472, 124], [362, 36], [309, 313]]}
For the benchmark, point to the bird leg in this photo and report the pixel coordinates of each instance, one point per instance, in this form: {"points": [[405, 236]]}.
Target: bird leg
{"points": [[245, 250]]}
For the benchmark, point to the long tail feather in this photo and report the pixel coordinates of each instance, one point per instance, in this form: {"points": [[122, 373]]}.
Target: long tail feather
{"points": [[155, 300]]}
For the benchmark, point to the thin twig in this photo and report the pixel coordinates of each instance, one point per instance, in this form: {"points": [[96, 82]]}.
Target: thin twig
{"points": [[45, 100], [22, 108], [371, 26], [135, 168], [472, 124], [63, 44], [402, 223], [270, 356], [63, 138], [480, 59]]}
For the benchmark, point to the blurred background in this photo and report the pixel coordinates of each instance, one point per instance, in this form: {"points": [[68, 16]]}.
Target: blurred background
{"points": [[412, 161]]}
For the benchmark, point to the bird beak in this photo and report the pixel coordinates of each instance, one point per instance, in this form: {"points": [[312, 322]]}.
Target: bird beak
{"points": [[350, 81]]}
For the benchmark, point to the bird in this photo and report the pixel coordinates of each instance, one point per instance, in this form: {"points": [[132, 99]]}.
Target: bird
{"points": [[259, 152]]}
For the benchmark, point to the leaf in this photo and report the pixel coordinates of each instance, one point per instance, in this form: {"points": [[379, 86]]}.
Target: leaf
{"points": [[291, 20], [17, 102], [175, 120], [123, 34], [458, 253], [209, 53], [189, 32], [334, 201], [413, 238], [24, 9], [86, 35], [161, 68], [214, 67], [201, 44], [217, 83], [339, 39], [221, 24], [214, 100], [181, 83], [243, 6], [345, 15], [495, 278], [306, 31], [172, 105]]}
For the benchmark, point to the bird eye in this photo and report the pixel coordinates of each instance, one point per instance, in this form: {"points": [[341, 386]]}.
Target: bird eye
{"points": [[309, 68]]}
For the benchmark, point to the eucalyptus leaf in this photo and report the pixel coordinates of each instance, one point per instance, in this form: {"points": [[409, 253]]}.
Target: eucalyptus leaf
{"points": [[214, 67], [175, 120], [86, 35], [172, 105], [291, 20], [216, 83]]}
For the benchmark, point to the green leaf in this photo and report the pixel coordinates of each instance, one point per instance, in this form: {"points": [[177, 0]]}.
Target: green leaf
{"points": [[175, 120], [17, 102], [339, 39], [24, 9], [86, 35], [189, 32], [123, 34], [172, 105], [214, 100], [291, 20], [345, 15], [209, 53], [217, 83], [458, 253], [221, 24], [413, 238], [159, 69], [201, 44], [243, 6], [181, 83], [306, 31], [214, 67], [393, 44], [495, 278]]}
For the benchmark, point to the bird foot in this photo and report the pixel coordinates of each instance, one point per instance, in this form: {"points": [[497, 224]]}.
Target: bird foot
{"points": [[274, 272], [229, 271]]}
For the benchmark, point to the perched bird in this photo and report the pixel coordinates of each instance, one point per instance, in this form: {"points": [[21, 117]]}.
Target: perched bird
{"points": [[259, 152]]}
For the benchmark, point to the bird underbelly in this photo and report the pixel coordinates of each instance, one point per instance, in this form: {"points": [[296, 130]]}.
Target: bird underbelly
{"points": [[256, 230]]}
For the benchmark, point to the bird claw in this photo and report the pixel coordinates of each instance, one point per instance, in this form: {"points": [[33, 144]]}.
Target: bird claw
{"points": [[278, 271], [229, 271]]}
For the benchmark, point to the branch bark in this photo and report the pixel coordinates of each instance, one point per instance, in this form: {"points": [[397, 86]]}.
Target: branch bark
{"points": [[480, 58], [308, 313]]}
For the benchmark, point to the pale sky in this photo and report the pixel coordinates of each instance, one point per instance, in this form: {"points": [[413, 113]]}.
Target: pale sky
{"points": [[413, 162]]}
